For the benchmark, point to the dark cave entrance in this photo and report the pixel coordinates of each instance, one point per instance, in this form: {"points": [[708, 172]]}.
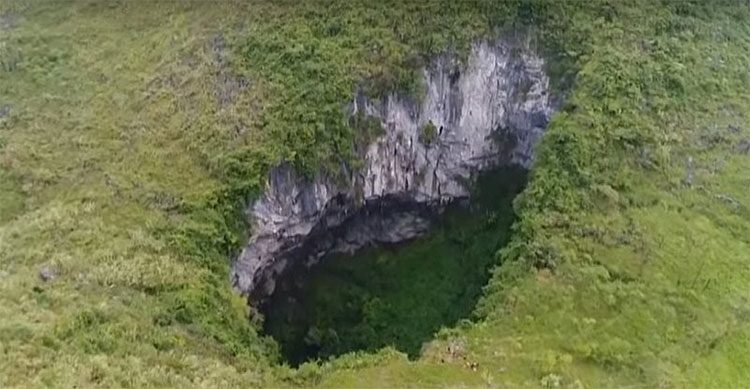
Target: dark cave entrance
{"points": [[395, 295]]}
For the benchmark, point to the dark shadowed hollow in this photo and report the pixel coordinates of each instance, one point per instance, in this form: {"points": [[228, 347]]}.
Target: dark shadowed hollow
{"points": [[396, 295]]}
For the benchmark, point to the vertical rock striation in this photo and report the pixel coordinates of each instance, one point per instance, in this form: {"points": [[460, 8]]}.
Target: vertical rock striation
{"points": [[490, 110]]}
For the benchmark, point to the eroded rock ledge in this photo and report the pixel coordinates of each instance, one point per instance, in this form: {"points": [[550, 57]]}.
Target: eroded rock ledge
{"points": [[489, 111]]}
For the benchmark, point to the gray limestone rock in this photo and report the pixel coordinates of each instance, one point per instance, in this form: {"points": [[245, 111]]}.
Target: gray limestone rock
{"points": [[487, 112], [743, 147], [48, 273]]}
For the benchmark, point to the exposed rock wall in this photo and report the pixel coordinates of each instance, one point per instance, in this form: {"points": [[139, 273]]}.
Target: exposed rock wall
{"points": [[473, 116]]}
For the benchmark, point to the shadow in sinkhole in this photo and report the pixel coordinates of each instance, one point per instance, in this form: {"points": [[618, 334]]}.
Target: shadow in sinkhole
{"points": [[396, 295]]}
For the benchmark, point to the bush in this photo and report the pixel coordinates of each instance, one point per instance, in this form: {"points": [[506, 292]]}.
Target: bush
{"points": [[428, 134]]}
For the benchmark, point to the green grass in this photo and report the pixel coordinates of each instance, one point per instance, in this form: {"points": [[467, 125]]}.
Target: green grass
{"points": [[11, 202], [132, 143], [111, 159]]}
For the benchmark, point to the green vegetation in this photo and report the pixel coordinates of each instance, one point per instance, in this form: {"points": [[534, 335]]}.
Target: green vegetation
{"points": [[396, 296], [137, 130], [428, 133], [366, 130], [312, 57]]}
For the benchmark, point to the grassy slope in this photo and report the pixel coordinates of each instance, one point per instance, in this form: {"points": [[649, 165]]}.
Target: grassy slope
{"points": [[113, 121], [120, 167], [639, 277]]}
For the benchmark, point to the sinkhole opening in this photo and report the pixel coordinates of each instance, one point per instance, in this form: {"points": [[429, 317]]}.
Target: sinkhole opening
{"points": [[396, 295]]}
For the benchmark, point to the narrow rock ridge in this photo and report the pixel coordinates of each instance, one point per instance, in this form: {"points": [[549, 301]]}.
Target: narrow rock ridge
{"points": [[484, 113]]}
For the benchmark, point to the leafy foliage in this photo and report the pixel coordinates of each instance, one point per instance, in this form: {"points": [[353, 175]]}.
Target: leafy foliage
{"points": [[428, 133]]}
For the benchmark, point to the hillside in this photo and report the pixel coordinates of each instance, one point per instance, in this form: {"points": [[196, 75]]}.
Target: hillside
{"points": [[134, 133]]}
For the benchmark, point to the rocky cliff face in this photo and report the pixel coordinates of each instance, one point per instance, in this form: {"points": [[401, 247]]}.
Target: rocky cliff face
{"points": [[473, 116]]}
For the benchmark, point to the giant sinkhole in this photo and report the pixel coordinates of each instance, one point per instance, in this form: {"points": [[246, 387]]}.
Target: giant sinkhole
{"points": [[397, 294], [390, 249]]}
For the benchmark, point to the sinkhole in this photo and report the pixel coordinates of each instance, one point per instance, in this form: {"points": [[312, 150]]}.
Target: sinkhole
{"points": [[400, 294]]}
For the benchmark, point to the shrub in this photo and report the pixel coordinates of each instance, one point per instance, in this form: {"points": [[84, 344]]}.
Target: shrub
{"points": [[428, 133]]}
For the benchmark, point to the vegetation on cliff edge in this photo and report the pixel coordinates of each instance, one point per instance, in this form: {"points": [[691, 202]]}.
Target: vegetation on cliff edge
{"points": [[132, 133]]}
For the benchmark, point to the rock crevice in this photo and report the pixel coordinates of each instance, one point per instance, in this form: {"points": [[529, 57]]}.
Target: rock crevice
{"points": [[489, 111]]}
